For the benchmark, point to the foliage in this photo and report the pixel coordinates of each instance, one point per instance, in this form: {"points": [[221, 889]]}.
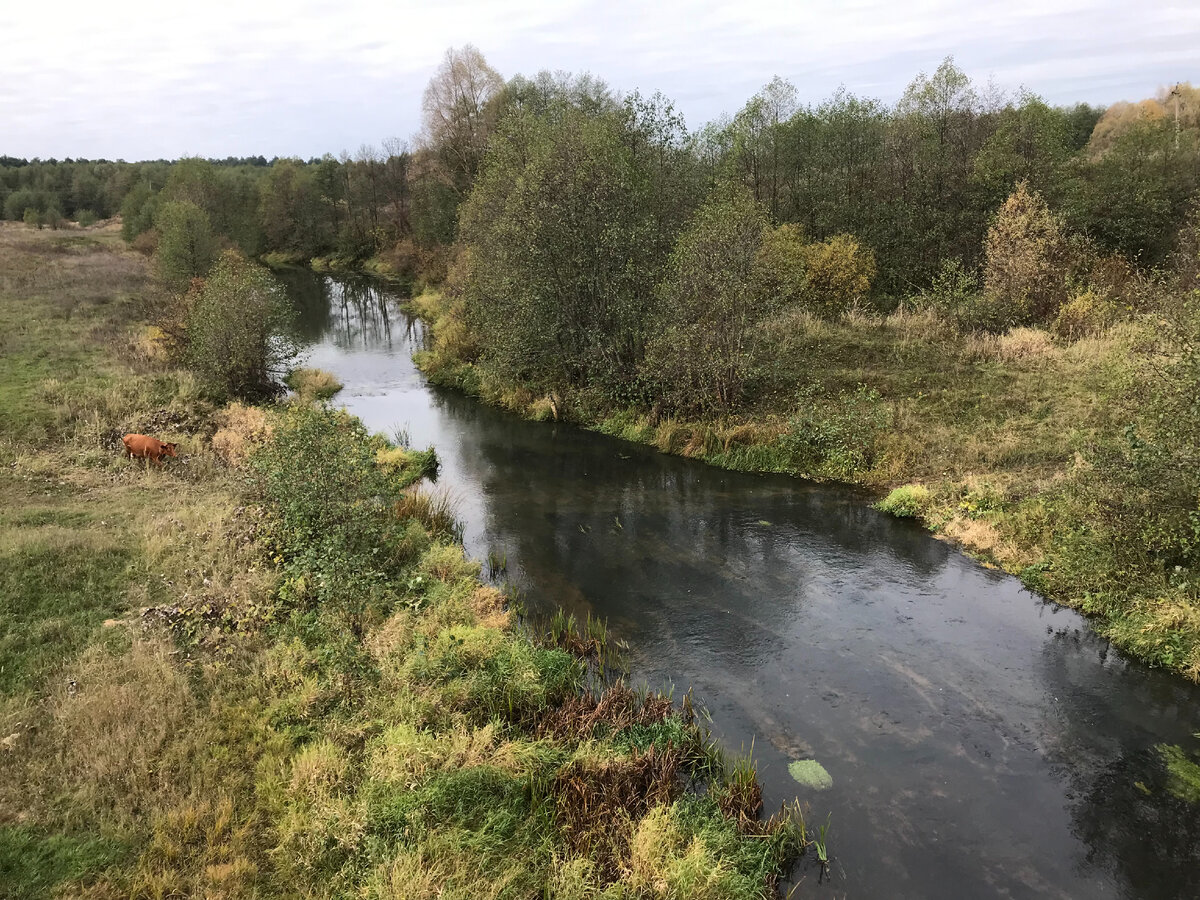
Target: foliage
{"points": [[1025, 260], [563, 243], [138, 210], [240, 429], [1160, 458], [835, 436], [701, 353], [238, 329], [458, 114], [187, 246], [838, 273]]}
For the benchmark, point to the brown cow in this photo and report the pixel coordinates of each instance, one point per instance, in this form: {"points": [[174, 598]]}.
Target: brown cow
{"points": [[147, 448]]}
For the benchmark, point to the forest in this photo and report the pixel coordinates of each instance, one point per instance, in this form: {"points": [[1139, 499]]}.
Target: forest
{"points": [[917, 182]]}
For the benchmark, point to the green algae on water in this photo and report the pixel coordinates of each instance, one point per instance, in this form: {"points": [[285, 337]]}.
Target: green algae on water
{"points": [[1184, 782], [811, 774]]}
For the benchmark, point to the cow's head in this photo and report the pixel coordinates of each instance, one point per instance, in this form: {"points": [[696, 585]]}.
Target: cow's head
{"points": [[169, 449]]}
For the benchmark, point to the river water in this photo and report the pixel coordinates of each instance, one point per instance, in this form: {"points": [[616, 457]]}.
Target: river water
{"points": [[982, 743]]}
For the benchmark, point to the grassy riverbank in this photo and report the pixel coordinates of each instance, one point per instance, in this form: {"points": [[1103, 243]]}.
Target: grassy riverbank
{"points": [[992, 441], [267, 670]]}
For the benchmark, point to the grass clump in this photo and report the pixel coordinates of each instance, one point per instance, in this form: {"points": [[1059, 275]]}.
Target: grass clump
{"points": [[313, 385], [909, 501], [240, 429]]}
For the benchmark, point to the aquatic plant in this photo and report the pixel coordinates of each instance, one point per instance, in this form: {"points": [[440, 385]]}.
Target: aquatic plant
{"points": [[810, 773], [1184, 773]]}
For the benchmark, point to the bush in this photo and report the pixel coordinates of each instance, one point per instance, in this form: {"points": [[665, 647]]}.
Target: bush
{"points": [[953, 291], [700, 354], [1084, 314], [335, 526], [909, 501], [137, 211], [827, 277], [85, 218], [239, 330], [839, 272]]}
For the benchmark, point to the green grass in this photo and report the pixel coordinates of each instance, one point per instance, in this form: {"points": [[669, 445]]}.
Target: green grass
{"points": [[33, 864]]}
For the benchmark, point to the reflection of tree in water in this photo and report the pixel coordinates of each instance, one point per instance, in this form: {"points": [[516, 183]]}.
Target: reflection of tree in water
{"points": [[360, 314], [1103, 732], [309, 293], [353, 313]]}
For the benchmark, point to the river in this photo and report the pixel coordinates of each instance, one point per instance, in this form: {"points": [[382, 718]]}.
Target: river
{"points": [[982, 743]]}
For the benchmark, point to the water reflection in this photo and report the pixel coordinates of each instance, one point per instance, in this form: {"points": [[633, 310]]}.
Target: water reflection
{"points": [[352, 313], [981, 743]]}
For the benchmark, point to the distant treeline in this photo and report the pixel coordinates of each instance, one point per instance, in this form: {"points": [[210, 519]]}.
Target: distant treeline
{"points": [[917, 182]]}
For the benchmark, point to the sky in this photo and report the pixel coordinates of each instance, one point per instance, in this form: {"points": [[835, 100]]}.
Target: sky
{"points": [[129, 79]]}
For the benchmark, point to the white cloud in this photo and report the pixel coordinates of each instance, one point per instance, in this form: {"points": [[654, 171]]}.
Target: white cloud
{"points": [[134, 79]]}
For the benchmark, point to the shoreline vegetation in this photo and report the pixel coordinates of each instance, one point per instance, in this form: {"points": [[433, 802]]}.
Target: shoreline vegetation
{"points": [[269, 669], [983, 439]]}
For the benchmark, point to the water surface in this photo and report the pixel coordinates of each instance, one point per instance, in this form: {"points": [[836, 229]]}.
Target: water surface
{"points": [[982, 743]]}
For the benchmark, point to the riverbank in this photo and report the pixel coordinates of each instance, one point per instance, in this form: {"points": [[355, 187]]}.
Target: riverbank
{"points": [[989, 441], [269, 670]]}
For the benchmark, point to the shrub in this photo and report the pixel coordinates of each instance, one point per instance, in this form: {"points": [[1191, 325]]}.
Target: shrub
{"points": [[137, 210], [701, 352], [239, 330], [840, 271], [954, 290], [146, 243], [1084, 314], [343, 546], [826, 277], [85, 218], [909, 501]]}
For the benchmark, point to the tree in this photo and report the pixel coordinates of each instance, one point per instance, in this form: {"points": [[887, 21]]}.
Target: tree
{"points": [[138, 209], [1025, 259], [759, 135], [186, 244], [1031, 143], [239, 330], [702, 350], [457, 113], [565, 244]]}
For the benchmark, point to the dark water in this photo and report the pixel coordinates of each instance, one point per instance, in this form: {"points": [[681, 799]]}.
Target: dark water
{"points": [[981, 742]]}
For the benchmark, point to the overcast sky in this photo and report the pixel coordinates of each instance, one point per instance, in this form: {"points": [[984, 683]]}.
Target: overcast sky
{"points": [[133, 79]]}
